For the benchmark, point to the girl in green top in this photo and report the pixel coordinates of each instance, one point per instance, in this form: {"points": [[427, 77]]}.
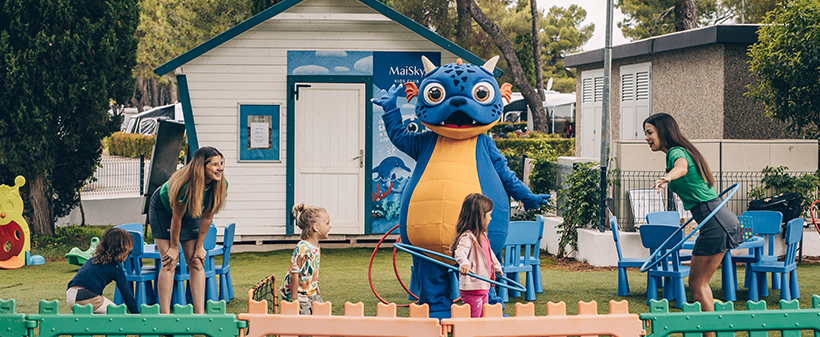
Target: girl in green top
{"points": [[180, 214], [688, 175]]}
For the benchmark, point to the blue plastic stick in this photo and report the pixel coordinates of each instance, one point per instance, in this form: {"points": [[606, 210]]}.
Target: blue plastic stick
{"points": [[654, 259], [418, 252]]}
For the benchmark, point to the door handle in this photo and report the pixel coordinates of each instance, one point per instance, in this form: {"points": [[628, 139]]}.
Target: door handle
{"points": [[360, 157]]}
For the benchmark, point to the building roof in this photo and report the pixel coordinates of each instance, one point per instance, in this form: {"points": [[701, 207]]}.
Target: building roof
{"points": [[727, 34], [284, 5]]}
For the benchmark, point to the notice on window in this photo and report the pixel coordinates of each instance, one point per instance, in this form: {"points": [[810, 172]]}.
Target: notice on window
{"points": [[259, 136]]}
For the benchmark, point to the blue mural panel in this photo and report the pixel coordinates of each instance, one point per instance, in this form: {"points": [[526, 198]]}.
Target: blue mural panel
{"points": [[391, 168]]}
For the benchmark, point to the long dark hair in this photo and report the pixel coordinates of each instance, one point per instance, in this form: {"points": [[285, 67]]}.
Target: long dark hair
{"points": [[670, 136], [115, 246], [192, 179], [471, 218]]}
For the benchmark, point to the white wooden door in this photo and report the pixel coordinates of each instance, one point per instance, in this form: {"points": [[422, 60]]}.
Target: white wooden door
{"points": [[592, 87], [329, 152]]}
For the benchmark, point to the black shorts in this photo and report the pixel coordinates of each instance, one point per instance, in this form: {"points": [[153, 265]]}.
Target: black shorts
{"points": [[722, 232], [160, 219]]}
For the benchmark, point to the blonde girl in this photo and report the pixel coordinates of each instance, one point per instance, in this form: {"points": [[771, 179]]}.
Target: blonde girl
{"points": [[303, 273], [180, 213], [471, 249], [87, 286]]}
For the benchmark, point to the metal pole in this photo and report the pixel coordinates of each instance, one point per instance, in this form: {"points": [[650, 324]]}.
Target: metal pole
{"points": [[605, 112], [142, 174]]}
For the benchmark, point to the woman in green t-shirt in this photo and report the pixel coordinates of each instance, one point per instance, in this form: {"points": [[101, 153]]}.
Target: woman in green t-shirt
{"points": [[688, 175], [180, 214]]}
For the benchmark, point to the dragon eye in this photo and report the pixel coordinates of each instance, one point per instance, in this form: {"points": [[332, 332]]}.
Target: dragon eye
{"points": [[412, 127], [483, 92], [434, 93]]}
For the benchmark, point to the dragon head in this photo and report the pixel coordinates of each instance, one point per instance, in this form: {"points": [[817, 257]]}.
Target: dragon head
{"points": [[459, 100]]}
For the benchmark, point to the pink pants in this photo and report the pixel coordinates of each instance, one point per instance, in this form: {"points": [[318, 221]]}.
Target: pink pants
{"points": [[476, 299]]}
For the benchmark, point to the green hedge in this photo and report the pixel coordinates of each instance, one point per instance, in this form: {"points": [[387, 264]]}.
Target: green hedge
{"points": [[131, 145], [544, 151]]}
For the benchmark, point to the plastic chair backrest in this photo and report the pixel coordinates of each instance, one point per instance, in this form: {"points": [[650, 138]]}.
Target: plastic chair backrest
{"points": [[136, 227], [613, 224], [766, 223], [665, 217], [794, 231], [210, 238], [133, 264], [521, 240], [227, 243], [653, 236]]}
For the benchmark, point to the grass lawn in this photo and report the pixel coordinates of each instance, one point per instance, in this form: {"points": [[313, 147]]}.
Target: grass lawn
{"points": [[343, 278]]}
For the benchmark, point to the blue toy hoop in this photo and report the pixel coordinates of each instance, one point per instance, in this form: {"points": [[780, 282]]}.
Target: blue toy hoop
{"points": [[418, 252], [654, 259]]}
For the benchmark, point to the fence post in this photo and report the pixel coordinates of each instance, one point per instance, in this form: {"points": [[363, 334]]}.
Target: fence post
{"points": [[142, 174]]}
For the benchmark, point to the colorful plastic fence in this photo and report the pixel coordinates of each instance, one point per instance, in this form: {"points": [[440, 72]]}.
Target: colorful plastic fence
{"points": [[789, 319], [619, 322]]}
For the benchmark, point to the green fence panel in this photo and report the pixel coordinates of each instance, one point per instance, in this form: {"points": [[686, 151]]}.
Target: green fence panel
{"points": [[12, 324], [790, 320], [116, 322]]}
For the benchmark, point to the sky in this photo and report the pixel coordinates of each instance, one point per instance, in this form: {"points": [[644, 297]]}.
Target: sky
{"points": [[596, 13]]}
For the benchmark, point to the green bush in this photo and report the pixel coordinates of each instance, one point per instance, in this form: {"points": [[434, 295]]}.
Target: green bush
{"points": [[544, 149], [501, 127], [131, 145], [580, 208]]}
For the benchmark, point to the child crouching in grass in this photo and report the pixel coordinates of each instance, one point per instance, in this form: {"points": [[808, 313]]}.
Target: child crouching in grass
{"points": [[303, 274]]}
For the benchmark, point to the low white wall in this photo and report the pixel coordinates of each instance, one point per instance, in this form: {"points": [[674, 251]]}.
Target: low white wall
{"points": [[598, 249], [106, 211]]}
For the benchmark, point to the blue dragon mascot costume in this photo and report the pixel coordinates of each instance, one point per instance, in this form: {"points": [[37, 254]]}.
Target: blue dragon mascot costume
{"points": [[459, 102]]}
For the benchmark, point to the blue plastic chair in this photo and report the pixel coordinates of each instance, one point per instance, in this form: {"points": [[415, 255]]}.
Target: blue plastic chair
{"points": [[140, 278], [790, 289], [522, 239], [667, 218], [224, 271], [766, 224], [623, 263], [182, 292], [670, 268], [132, 227]]}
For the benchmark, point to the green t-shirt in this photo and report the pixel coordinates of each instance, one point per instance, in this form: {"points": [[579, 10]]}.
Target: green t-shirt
{"points": [[182, 197], [691, 188]]}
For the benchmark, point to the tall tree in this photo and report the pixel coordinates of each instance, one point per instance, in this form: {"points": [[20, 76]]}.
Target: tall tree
{"points": [[539, 116], [536, 42], [169, 28], [563, 34], [749, 11], [645, 19], [786, 65], [63, 62]]}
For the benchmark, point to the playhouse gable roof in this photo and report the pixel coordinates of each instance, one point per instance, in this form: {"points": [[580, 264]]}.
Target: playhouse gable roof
{"points": [[287, 4]]}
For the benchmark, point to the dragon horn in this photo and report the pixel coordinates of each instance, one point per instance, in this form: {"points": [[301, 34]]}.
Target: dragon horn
{"points": [[490, 64], [428, 66]]}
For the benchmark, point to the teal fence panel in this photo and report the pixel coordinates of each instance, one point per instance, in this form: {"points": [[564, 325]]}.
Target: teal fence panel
{"points": [[790, 320], [116, 322], [12, 324]]}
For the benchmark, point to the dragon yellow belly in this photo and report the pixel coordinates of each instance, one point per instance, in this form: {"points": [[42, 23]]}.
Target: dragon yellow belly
{"points": [[449, 177]]}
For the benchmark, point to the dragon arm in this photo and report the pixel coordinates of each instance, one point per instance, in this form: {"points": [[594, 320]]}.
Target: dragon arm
{"points": [[514, 187], [406, 141]]}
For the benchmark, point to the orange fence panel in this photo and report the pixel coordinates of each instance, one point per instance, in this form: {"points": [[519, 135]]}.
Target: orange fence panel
{"points": [[353, 323], [619, 322]]}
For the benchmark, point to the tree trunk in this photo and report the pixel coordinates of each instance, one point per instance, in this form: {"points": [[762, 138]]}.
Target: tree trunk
{"points": [[539, 117], [536, 50], [686, 15], [463, 26], [39, 205]]}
